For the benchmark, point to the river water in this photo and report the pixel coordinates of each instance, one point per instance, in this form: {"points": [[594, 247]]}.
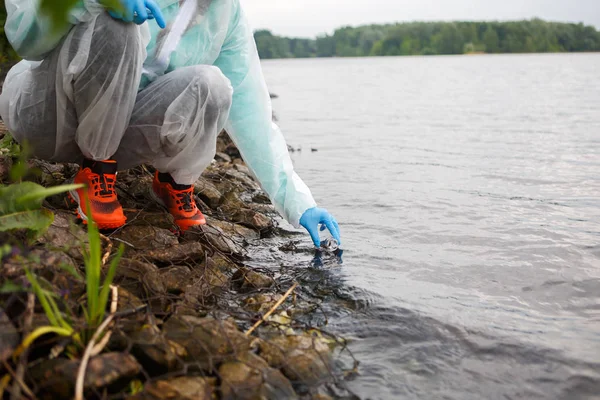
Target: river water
{"points": [[468, 194]]}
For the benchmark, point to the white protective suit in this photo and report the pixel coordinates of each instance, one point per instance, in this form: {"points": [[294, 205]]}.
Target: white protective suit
{"points": [[103, 88]]}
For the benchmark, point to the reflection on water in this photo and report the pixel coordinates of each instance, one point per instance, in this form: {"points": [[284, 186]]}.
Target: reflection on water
{"points": [[468, 195]]}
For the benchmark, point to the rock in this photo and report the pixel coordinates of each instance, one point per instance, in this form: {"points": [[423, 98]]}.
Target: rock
{"points": [[140, 187], [246, 280], [261, 303], [234, 230], [147, 237], [214, 238], [252, 219], [208, 192], [262, 208], [66, 235], [302, 358], [223, 157], [261, 198], [135, 273], [127, 301], [183, 388], [207, 341], [5, 166], [231, 202], [157, 354], [160, 219], [175, 279], [242, 178], [9, 337], [186, 252], [56, 378], [250, 377], [223, 264]]}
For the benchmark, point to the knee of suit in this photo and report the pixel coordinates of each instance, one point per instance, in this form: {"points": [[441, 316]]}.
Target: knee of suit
{"points": [[113, 38], [214, 88]]}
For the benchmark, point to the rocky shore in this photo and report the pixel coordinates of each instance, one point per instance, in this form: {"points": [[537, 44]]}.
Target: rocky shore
{"points": [[183, 304]]}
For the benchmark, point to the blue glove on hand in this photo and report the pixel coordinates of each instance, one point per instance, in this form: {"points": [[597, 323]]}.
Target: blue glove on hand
{"points": [[139, 11], [315, 216]]}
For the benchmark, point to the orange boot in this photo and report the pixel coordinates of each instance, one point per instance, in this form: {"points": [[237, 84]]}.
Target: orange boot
{"points": [[99, 178], [179, 200]]}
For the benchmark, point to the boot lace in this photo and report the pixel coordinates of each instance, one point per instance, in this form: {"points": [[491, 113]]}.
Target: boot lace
{"points": [[103, 185], [186, 201]]}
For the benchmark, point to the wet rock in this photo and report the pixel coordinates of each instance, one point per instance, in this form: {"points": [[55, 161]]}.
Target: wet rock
{"points": [[223, 264], [261, 198], [302, 358], [231, 201], [127, 301], [9, 337], [159, 219], [214, 238], [250, 377], [208, 192], [262, 208], [207, 341], [175, 279], [66, 235], [242, 178], [223, 157], [157, 354], [135, 273], [262, 302], [56, 378], [184, 388], [245, 279], [140, 188], [252, 219], [147, 237], [186, 252], [234, 230]]}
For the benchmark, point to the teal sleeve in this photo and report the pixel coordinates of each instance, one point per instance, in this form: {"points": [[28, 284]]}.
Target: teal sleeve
{"points": [[30, 32], [250, 125]]}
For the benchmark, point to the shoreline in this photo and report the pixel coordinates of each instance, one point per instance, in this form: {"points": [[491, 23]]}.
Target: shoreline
{"points": [[185, 303]]}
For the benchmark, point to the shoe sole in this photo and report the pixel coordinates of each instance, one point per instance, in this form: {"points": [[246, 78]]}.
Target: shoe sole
{"points": [[81, 215]]}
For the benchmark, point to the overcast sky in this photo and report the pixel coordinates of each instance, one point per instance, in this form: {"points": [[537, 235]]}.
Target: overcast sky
{"points": [[309, 18]]}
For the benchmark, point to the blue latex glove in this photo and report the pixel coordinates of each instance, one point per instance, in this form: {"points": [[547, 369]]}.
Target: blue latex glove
{"points": [[139, 11], [313, 217]]}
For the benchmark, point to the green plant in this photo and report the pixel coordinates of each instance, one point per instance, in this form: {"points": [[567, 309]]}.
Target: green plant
{"points": [[21, 206], [97, 291]]}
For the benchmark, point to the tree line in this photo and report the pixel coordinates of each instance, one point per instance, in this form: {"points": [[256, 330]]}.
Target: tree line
{"points": [[431, 38]]}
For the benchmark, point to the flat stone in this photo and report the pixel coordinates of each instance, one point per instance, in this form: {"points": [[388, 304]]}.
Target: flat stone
{"points": [[250, 377], [65, 234], [175, 279], [207, 341], [215, 238], [208, 192], [147, 237], [246, 279], [224, 157], [252, 219], [181, 253], [234, 230], [158, 354], [302, 358], [56, 378], [183, 388]]}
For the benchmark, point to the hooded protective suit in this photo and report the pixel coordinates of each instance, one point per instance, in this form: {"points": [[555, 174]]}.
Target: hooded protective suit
{"points": [[198, 33]]}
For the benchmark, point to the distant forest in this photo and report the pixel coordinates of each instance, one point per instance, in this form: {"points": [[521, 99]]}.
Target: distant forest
{"points": [[431, 38]]}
